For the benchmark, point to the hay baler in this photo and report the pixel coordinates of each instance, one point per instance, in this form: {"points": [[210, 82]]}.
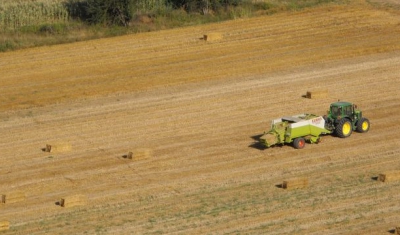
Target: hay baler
{"points": [[295, 129]]}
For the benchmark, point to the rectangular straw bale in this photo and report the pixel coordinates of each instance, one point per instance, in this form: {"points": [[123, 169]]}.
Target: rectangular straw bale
{"points": [[58, 147], [140, 154], [317, 94], [211, 37], [13, 197], [4, 225], [295, 183], [389, 176], [74, 200]]}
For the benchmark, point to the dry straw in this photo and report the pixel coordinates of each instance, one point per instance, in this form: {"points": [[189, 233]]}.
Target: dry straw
{"points": [[4, 225], [58, 147], [74, 200], [317, 94], [12, 197], [295, 183], [397, 230], [270, 138], [140, 154], [389, 176], [212, 37]]}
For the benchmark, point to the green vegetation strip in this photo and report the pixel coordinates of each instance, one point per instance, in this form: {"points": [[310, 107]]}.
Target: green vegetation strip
{"points": [[26, 23]]}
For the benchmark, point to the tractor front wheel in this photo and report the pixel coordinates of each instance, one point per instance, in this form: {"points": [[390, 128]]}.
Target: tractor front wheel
{"points": [[299, 143], [363, 125], [344, 128]]}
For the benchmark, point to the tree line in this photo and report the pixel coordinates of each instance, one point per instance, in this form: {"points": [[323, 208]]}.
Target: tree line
{"points": [[121, 12]]}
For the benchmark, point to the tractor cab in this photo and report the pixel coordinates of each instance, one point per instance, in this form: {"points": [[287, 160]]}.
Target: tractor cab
{"points": [[344, 117], [342, 109]]}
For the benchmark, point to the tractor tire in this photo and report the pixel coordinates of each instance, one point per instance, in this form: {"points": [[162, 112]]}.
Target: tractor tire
{"points": [[363, 125], [299, 143], [344, 128]]}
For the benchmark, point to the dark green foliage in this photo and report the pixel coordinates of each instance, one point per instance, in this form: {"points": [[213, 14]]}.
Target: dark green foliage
{"points": [[263, 6], [45, 29], [7, 45], [52, 29], [204, 6], [77, 9], [109, 12]]}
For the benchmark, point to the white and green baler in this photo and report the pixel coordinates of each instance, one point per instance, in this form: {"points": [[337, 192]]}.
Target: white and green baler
{"points": [[297, 129]]}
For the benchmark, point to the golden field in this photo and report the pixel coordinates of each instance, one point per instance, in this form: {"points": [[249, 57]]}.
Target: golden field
{"points": [[197, 106]]}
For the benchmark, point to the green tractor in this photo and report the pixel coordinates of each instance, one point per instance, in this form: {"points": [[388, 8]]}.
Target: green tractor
{"points": [[343, 118]]}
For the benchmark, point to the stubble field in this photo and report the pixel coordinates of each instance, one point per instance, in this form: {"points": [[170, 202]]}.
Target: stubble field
{"points": [[198, 106]]}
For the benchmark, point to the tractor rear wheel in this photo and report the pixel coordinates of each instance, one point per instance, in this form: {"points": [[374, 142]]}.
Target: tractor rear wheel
{"points": [[299, 143], [363, 125], [344, 128]]}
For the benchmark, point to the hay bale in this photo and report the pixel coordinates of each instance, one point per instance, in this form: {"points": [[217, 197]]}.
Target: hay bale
{"points": [[13, 197], [58, 147], [295, 183], [212, 37], [317, 94], [389, 176], [74, 200], [140, 154], [4, 225]]}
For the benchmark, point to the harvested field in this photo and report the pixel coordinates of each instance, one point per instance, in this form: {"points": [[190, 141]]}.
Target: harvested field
{"points": [[4, 225], [198, 106]]}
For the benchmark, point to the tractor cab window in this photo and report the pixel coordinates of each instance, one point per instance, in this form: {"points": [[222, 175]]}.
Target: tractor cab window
{"points": [[348, 110], [336, 110]]}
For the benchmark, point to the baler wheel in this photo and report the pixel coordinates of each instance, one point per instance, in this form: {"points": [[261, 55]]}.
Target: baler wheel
{"points": [[299, 143]]}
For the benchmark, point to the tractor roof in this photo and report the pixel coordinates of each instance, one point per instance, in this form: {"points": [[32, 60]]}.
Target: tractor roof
{"points": [[341, 103]]}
